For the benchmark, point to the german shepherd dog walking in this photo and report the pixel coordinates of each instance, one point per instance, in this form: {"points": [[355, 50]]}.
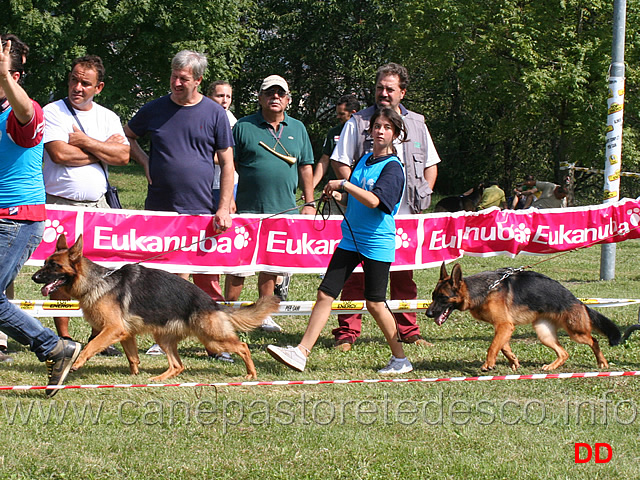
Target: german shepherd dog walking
{"points": [[506, 298], [134, 300]]}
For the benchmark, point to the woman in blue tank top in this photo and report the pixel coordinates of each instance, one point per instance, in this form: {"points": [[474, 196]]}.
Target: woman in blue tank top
{"points": [[374, 191]]}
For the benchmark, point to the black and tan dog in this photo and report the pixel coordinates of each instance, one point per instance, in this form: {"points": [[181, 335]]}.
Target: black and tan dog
{"points": [[506, 298], [462, 202], [134, 300]]}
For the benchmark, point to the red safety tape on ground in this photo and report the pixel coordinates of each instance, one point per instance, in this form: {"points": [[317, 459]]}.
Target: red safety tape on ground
{"points": [[277, 383]]}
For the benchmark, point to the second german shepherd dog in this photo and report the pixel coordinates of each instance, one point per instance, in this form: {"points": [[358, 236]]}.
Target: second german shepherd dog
{"points": [[134, 299], [460, 203], [507, 298]]}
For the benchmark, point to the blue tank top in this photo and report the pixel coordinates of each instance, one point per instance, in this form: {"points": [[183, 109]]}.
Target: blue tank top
{"points": [[373, 229], [21, 180]]}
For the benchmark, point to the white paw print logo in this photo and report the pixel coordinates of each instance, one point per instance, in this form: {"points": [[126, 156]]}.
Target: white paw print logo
{"points": [[402, 238], [51, 231], [634, 216], [522, 233], [242, 238]]}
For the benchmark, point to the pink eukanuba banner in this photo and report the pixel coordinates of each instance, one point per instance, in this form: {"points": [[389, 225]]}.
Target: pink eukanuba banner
{"points": [[305, 243]]}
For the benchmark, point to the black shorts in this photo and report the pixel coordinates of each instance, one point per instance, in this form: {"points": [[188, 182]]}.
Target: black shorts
{"points": [[342, 264]]}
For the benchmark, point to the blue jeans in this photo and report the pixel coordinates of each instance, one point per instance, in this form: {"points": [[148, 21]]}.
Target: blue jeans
{"points": [[18, 240]]}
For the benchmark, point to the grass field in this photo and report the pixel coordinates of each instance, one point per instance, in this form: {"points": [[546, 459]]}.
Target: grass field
{"points": [[523, 429]]}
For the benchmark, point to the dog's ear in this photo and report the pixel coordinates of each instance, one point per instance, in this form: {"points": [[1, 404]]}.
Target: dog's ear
{"points": [[75, 252], [456, 275], [61, 244], [443, 271]]}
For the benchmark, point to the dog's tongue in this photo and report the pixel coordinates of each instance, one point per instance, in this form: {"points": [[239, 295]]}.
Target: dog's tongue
{"points": [[443, 317], [47, 289]]}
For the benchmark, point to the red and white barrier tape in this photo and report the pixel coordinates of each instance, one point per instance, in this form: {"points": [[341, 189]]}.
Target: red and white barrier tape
{"points": [[277, 383]]}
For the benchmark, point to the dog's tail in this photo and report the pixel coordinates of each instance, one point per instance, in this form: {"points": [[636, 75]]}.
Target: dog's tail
{"points": [[606, 326], [247, 318]]}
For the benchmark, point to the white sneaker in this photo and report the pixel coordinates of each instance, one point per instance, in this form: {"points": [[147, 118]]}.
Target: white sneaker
{"points": [[396, 366], [155, 350], [292, 357], [268, 325]]}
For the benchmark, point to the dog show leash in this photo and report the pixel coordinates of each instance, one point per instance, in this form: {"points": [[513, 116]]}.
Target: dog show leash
{"points": [[211, 237], [111, 271]]}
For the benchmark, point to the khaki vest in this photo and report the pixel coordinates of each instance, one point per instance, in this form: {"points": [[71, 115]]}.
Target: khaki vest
{"points": [[415, 154]]}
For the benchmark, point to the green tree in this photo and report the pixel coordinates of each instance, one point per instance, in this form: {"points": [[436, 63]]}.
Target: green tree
{"points": [[511, 87], [135, 38], [323, 48]]}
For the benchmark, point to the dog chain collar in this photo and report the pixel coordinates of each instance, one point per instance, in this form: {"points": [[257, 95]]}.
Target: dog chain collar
{"points": [[109, 273], [510, 271]]}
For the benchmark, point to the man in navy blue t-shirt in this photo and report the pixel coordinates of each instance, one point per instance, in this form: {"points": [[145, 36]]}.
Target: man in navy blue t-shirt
{"points": [[187, 130]]}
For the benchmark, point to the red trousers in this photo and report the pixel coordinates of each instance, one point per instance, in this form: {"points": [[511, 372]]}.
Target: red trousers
{"points": [[210, 283], [402, 288]]}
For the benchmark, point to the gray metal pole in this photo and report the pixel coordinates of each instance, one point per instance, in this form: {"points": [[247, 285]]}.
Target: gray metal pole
{"points": [[615, 104]]}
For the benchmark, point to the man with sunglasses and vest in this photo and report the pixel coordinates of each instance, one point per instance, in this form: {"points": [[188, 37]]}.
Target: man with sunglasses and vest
{"points": [[421, 159]]}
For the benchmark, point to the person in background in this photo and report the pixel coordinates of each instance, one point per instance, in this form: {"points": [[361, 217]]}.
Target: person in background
{"points": [[22, 210], [525, 193], [551, 195], [347, 105], [492, 196], [81, 139], [374, 192], [187, 130], [420, 159], [221, 92]]}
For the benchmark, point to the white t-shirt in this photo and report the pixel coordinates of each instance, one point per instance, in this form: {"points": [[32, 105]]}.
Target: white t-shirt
{"points": [[86, 183], [345, 150], [216, 173]]}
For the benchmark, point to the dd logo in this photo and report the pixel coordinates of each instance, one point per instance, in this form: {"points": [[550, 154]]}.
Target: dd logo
{"points": [[588, 452]]}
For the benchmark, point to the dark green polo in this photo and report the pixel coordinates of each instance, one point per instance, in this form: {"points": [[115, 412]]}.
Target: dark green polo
{"points": [[266, 183]]}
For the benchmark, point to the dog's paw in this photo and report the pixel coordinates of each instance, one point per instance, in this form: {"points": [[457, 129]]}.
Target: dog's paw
{"points": [[251, 376], [78, 364], [486, 367]]}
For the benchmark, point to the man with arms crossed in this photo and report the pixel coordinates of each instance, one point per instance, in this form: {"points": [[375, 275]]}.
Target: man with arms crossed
{"points": [[81, 138]]}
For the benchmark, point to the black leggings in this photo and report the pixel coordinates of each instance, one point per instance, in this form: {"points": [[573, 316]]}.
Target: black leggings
{"points": [[342, 264]]}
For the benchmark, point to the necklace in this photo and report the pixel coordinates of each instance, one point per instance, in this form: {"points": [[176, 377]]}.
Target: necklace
{"points": [[277, 139]]}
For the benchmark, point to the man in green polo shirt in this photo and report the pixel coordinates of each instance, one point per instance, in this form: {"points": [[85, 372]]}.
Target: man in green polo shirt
{"points": [[272, 150]]}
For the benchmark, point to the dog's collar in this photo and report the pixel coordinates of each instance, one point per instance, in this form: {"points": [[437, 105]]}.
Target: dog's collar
{"points": [[109, 273], [509, 271]]}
